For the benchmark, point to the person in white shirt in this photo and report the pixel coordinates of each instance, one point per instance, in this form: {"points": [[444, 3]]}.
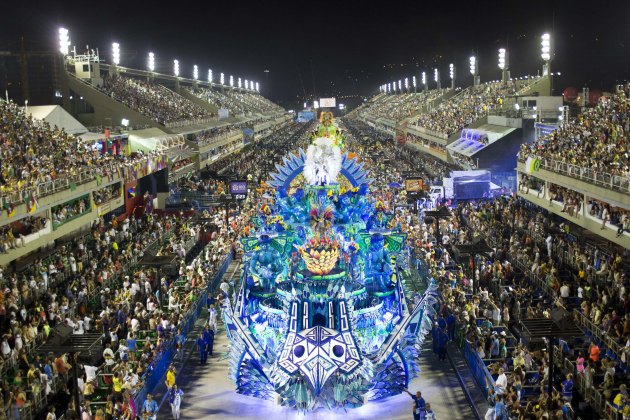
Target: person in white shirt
{"points": [[549, 242], [501, 382], [108, 354], [90, 373]]}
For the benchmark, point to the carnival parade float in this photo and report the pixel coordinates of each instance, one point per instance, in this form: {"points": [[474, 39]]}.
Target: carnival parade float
{"points": [[321, 317]]}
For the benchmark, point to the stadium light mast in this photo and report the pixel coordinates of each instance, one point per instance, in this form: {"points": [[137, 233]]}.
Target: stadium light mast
{"points": [[116, 53], [64, 41], [474, 70], [504, 65], [389, 88], [210, 76], [257, 87], [545, 53], [451, 72], [151, 62], [176, 68], [424, 80], [240, 84], [415, 84], [246, 84], [231, 81], [222, 78], [195, 72], [407, 84], [436, 77], [400, 85]]}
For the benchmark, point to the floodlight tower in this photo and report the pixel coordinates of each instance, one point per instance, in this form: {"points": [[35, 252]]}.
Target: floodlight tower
{"points": [[399, 85], [150, 65], [407, 84], [451, 71], [240, 83], [116, 53], [210, 76], [176, 68], [115, 58], [436, 77], [231, 81], [504, 64], [389, 88], [415, 84], [474, 70], [424, 80], [64, 41], [545, 53], [222, 78], [257, 87]]}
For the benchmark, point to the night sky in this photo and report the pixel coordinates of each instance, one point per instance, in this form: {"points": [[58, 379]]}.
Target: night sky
{"points": [[335, 48]]}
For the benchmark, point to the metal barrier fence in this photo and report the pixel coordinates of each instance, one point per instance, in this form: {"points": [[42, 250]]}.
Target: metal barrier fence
{"points": [[158, 368]]}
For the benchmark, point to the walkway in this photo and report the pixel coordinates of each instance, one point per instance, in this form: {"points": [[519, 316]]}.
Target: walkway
{"points": [[209, 394]]}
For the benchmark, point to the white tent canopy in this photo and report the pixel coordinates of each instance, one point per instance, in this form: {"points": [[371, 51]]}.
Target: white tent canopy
{"points": [[55, 115]]}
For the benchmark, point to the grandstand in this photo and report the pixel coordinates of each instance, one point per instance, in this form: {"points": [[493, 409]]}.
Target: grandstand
{"points": [[117, 219]]}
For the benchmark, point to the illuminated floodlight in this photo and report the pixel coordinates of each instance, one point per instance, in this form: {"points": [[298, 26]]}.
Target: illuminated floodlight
{"points": [[473, 65], [222, 78], [399, 85], [316, 104], [451, 71], [195, 72], [116, 53], [124, 122], [304, 105], [413, 81], [64, 41], [240, 84], [231, 81], [176, 67], [406, 83], [502, 58], [209, 75], [257, 87], [151, 62], [436, 75], [246, 83], [424, 78], [389, 88], [545, 47]]}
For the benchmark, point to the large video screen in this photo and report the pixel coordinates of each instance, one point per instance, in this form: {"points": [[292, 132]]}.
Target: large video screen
{"points": [[413, 184], [327, 102]]}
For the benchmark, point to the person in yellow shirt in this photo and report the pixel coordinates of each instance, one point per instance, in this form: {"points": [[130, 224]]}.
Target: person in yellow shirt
{"points": [[117, 385], [170, 377]]}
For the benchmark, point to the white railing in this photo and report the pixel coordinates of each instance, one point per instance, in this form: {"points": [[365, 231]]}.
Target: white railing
{"points": [[603, 179]]}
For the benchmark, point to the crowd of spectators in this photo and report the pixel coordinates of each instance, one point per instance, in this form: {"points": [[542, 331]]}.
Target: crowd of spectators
{"points": [[597, 140], [237, 103], [399, 107], [152, 100], [35, 154], [63, 213], [537, 265], [468, 106], [108, 193], [12, 235]]}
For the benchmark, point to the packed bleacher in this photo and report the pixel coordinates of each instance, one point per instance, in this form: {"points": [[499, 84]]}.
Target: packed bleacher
{"points": [[594, 146], [236, 102], [537, 265], [37, 159], [153, 100], [399, 107], [468, 106]]}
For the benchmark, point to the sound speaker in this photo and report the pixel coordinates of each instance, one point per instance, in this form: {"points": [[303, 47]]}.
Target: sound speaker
{"points": [[561, 318], [59, 335]]}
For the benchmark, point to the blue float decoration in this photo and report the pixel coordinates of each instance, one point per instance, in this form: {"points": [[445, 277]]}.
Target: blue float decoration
{"points": [[320, 318]]}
